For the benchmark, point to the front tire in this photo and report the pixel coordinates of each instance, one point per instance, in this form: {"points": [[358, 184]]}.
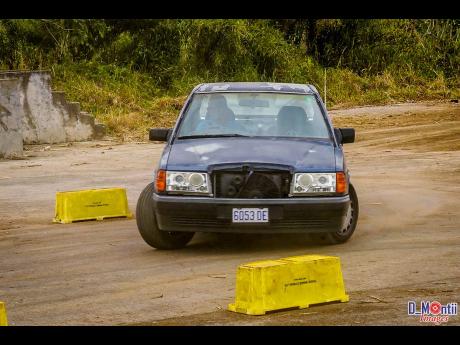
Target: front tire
{"points": [[344, 234], [148, 228]]}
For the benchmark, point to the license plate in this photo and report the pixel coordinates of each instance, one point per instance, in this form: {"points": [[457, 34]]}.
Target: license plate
{"points": [[250, 215]]}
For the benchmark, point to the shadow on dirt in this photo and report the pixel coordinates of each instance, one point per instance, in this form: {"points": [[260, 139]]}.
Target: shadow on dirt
{"points": [[250, 243]]}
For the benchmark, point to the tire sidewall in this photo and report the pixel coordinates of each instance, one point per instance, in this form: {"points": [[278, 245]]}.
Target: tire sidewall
{"points": [[336, 237], [148, 227]]}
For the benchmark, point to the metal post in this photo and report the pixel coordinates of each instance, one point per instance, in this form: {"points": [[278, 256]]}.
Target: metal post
{"points": [[325, 88]]}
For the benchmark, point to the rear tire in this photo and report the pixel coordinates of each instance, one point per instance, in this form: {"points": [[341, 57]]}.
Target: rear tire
{"points": [[344, 234], [148, 228]]}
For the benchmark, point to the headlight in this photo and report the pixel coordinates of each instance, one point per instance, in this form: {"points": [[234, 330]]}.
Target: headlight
{"points": [[187, 182], [314, 183]]}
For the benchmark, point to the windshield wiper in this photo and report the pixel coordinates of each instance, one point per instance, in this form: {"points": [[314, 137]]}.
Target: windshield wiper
{"points": [[211, 136]]}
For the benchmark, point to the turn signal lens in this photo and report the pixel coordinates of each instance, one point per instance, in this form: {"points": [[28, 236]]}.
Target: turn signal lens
{"points": [[160, 181], [341, 182]]}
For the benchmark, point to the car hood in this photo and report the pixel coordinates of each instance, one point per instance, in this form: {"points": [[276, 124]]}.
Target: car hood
{"points": [[301, 155]]}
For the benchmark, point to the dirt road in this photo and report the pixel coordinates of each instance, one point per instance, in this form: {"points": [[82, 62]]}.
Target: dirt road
{"points": [[405, 167]]}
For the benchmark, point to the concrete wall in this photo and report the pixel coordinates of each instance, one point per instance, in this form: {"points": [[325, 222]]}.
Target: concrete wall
{"points": [[10, 141], [31, 113]]}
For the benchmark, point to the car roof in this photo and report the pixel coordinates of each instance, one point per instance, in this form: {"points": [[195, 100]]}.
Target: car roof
{"points": [[255, 87]]}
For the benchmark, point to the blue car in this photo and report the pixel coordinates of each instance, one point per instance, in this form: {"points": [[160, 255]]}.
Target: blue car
{"points": [[250, 158]]}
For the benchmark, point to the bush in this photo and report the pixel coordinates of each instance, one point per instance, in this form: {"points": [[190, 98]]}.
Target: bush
{"points": [[132, 73]]}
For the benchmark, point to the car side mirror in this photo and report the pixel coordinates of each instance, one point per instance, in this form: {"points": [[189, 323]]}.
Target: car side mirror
{"points": [[160, 134], [345, 135]]}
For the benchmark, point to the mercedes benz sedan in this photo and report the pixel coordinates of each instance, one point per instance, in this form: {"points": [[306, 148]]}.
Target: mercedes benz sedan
{"points": [[250, 158]]}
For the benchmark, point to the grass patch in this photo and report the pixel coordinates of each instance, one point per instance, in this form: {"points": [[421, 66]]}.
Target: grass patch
{"points": [[127, 102], [130, 102]]}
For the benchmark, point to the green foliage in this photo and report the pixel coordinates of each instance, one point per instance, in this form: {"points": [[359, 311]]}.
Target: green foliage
{"points": [[118, 68], [369, 47]]}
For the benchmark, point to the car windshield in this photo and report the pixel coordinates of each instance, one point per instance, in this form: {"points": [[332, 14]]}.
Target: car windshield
{"points": [[255, 114]]}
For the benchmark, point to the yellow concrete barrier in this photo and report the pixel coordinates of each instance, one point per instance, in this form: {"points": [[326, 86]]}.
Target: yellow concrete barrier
{"points": [[297, 281], [3, 319], [91, 204]]}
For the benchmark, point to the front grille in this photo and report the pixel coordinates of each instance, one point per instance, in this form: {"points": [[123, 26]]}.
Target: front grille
{"points": [[251, 184]]}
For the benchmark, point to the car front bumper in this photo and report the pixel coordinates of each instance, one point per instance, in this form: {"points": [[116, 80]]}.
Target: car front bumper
{"points": [[293, 215]]}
